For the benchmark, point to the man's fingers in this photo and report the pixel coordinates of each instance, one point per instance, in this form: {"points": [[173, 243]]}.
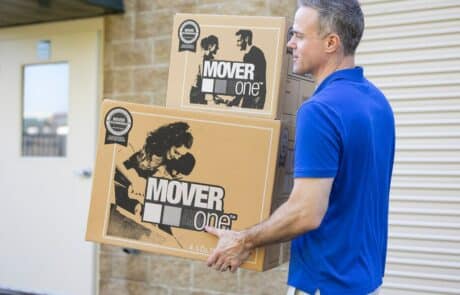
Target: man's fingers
{"points": [[234, 266], [212, 258], [212, 230], [227, 247], [220, 263], [225, 268]]}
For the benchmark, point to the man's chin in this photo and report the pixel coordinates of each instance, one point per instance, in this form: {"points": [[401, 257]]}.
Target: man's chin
{"points": [[299, 71]]}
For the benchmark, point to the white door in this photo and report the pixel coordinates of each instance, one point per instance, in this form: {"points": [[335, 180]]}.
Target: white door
{"points": [[50, 88]]}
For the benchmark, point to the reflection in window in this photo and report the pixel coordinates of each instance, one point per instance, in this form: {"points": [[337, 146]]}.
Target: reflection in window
{"points": [[45, 108]]}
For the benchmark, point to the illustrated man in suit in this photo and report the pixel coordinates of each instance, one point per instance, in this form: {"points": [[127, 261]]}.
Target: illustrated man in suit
{"points": [[255, 56]]}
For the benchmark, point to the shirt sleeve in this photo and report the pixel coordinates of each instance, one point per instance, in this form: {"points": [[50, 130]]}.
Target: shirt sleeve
{"points": [[317, 142]]}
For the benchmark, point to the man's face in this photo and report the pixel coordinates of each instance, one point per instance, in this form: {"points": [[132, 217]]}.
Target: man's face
{"points": [[176, 152], [213, 48], [241, 42], [306, 44]]}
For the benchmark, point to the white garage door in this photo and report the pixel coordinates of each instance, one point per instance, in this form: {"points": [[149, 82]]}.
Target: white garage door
{"points": [[411, 50]]}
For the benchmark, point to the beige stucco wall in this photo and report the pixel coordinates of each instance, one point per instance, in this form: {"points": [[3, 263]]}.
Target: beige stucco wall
{"points": [[136, 61]]}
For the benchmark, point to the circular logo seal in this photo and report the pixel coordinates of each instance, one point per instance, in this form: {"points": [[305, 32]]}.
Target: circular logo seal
{"points": [[118, 121], [189, 31]]}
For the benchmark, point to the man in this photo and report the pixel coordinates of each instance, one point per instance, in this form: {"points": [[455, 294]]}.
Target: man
{"points": [[253, 55], [337, 213]]}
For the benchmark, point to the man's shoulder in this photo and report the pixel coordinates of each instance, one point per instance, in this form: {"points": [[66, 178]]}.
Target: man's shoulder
{"points": [[325, 99], [319, 109], [256, 50], [345, 93]]}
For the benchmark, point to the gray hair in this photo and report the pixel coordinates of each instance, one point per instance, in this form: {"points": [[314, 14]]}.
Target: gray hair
{"points": [[343, 17]]}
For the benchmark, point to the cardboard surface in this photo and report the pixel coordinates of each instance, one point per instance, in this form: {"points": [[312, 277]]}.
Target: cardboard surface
{"points": [[162, 174], [224, 63]]}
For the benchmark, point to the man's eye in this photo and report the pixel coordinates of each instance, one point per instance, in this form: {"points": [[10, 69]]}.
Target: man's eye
{"points": [[290, 33]]}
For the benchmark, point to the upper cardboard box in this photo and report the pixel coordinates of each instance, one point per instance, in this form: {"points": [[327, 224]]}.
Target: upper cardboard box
{"points": [[230, 64]]}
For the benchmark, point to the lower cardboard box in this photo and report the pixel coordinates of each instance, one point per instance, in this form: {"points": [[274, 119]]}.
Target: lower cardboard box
{"points": [[162, 175]]}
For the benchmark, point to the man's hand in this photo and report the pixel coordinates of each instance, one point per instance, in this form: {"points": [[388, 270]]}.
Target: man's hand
{"points": [[230, 252], [302, 212]]}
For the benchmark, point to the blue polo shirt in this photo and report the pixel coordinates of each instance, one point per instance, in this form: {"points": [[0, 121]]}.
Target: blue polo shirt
{"points": [[346, 131]]}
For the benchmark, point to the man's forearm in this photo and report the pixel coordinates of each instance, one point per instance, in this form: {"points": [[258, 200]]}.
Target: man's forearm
{"points": [[302, 212], [282, 225]]}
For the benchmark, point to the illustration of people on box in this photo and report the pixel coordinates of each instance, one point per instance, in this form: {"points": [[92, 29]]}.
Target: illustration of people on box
{"points": [[210, 46], [165, 154], [231, 83]]}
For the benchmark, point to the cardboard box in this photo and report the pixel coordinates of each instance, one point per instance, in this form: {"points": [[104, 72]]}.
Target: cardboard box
{"points": [[234, 64], [162, 174], [203, 43], [224, 63]]}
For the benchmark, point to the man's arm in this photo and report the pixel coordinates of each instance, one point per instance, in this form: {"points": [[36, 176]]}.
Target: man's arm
{"points": [[302, 212]]}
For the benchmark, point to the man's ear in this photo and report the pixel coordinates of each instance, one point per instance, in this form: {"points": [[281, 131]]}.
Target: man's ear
{"points": [[332, 43]]}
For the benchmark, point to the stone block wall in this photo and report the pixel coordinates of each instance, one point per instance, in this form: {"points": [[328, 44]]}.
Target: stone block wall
{"points": [[136, 61]]}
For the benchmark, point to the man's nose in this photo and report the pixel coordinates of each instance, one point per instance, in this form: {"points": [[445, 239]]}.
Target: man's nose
{"points": [[291, 43]]}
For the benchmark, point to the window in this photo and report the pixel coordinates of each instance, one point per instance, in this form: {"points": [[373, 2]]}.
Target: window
{"points": [[45, 109]]}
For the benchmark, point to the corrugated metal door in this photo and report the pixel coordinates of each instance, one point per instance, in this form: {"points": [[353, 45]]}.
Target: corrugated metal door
{"points": [[411, 50]]}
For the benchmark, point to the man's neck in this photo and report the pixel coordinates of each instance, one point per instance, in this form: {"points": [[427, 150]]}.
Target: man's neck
{"points": [[248, 47], [346, 62]]}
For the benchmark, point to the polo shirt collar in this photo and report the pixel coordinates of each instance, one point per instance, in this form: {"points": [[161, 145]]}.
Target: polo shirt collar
{"points": [[355, 74]]}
